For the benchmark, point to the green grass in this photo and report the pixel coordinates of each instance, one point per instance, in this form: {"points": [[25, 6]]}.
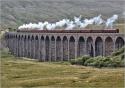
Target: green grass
{"points": [[26, 73]]}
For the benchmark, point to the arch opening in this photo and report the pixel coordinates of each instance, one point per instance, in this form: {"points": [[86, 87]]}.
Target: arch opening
{"points": [[41, 49], [89, 47], [22, 45], [98, 47], [65, 48], [81, 47], [32, 46], [52, 48], [108, 46], [47, 48], [16, 45], [29, 44], [72, 48], [58, 49], [19, 48], [119, 43], [36, 50]]}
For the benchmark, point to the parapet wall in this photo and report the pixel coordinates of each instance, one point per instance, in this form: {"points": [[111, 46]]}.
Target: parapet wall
{"points": [[70, 31]]}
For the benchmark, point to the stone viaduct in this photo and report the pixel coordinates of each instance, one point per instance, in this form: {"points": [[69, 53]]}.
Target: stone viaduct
{"points": [[63, 45]]}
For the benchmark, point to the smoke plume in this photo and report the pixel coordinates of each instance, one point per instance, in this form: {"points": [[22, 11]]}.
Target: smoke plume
{"points": [[67, 24], [111, 20]]}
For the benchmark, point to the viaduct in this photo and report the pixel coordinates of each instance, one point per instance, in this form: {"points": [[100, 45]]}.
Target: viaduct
{"points": [[63, 45]]}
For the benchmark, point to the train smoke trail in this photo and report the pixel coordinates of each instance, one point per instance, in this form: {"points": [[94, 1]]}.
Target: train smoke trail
{"points": [[111, 20], [68, 24]]}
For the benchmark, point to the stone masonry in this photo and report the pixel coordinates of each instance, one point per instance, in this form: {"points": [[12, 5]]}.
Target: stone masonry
{"points": [[62, 46]]}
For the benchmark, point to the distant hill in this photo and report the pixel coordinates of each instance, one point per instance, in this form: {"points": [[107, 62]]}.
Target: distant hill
{"points": [[18, 12]]}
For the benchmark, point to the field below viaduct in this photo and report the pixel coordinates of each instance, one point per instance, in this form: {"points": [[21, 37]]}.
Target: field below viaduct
{"points": [[27, 73]]}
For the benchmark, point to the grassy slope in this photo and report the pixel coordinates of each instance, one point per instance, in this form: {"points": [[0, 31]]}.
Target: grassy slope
{"points": [[17, 72], [17, 12]]}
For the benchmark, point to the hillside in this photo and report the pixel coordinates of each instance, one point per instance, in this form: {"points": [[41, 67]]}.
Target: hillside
{"points": [[17, 12]]}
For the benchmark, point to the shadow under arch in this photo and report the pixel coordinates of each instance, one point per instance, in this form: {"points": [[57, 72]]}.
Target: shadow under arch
{"points": [[65, 48], [119, 43], [22, 44], [41, 49], [36, 47], [32, 46], [53, 48], [58, 48], [29, 44], [71, 48], [89, 47], [108, 46], [47, 48], [18, 46], [98, 46], [81, 47]]}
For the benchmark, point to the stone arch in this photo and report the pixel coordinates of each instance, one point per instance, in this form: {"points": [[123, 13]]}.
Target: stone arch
{"points": [[52, 48], [108, 46], [89, 47], [32, 46], [42, 38], [16, 36], [29, 44], [36, 47], [98, 46], [9, 39], [81, 46], [71, 48], [22, 45], [42, 48], [26, 46], [22, 36], [16, 46], [11, 35], [58, 49], [11, 44], [119, 43], [65, 48], [6, 36], [47, 48], [19, 40]]}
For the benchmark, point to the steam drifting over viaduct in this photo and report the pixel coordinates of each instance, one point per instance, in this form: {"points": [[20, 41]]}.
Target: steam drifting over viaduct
{"points": [[63, 45]]}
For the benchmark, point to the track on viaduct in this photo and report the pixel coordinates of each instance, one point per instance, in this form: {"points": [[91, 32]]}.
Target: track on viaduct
{"points": [[63, 45]]}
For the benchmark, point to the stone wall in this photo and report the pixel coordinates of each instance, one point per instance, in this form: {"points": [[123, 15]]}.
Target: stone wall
{"points": [[62, 46]]}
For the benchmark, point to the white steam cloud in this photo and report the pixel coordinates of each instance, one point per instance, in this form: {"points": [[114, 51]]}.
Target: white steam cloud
{"points": [[68, 24], [111, 20]]}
